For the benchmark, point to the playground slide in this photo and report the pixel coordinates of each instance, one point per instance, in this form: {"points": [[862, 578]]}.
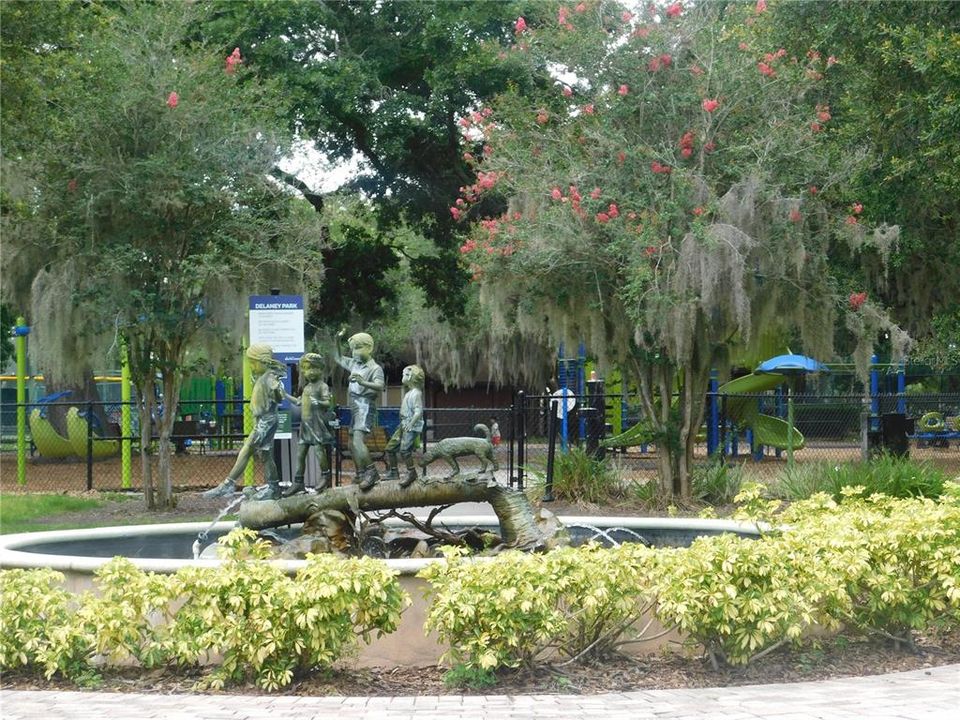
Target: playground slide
{"points": [[767, 429], [50, 443], [77, 432]]}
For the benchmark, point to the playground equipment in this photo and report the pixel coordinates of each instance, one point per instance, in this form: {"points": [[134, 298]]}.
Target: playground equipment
{"points": [[49, 443], [78, 432], [745, 411]]}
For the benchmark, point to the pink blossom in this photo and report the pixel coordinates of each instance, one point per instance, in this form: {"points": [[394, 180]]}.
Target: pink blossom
{"points": [[659, 169], [761, 6], [632, 215], [173, 100], [696, 70], [710, 104], [567, 91], [562, 16], [686, 152], [468, 157], [455, 211], [823, 113], [621, 157], [781, 53], [814, 74], [602, 217], [460, 202], [464, 121], [857, 208], [556, 194], [613, 211], [675, 10], [542, 117], [814, 189], [588, 108], [487, 150], [816, 127], [626, 16], [649, 250], [813, 54], [233, 59], [486, 112], [710, 146], [654, 64], [743, 46], [580, 8], [856, 300], [698, 211], [520, 26], [642, 32], [766, 69], [831, 61], [851, 220], [665, 60], [623, 90], [595, 193], [795, 215]]}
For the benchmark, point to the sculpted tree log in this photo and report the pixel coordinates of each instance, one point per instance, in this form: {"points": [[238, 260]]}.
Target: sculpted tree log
{"points": [[518, 526]]}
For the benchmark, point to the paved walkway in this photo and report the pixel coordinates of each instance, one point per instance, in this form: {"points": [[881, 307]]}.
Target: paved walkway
{"points": [[916, 695]]}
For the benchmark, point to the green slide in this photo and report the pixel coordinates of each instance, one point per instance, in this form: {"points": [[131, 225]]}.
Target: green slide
{"points": [[767, 429]]}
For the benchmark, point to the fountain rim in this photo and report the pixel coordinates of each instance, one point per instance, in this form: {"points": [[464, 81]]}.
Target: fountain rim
{"points": [[11, 557]]}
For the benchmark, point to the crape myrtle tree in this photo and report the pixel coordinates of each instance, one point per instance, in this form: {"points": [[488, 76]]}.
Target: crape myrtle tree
{"points": [[666, 200], [893, 88], [152, 213]]}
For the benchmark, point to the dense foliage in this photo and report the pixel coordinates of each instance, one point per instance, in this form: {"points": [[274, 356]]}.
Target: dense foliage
{"points": [[667, 201]]}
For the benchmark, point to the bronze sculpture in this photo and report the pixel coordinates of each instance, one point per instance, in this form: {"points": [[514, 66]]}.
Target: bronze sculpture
{"points": [[366, 384], [316, 422], [264, 404], [407, 435]]}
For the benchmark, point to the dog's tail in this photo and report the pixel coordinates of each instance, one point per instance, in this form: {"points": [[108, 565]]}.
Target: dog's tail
{"points": [[482, 429]]}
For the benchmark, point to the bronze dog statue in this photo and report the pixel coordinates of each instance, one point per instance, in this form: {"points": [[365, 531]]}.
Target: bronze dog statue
{"points": [[450, 449]]}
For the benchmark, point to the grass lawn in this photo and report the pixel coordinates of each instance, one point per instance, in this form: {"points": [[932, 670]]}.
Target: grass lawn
{"points": [[39, 512]]}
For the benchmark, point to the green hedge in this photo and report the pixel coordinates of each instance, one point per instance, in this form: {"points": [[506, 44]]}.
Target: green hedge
{"points": [[869, 563]]}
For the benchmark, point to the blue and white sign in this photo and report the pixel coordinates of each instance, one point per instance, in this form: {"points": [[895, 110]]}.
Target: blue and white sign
{"points": [[277, 320]]}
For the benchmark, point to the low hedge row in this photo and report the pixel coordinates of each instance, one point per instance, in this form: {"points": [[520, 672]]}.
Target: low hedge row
{"points": [[869, 564]]}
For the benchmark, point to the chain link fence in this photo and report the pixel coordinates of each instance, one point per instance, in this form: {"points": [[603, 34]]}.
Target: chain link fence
{"points": [[749, 430]]}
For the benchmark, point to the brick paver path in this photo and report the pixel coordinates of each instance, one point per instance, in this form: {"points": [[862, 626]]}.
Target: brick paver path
{"points": [[916, 695]]}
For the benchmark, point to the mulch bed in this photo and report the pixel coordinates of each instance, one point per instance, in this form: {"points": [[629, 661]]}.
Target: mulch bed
{"points": [[833, 659]]}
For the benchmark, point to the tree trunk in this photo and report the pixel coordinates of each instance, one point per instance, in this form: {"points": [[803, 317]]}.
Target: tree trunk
{"points": [[171, 397], [145, 405], [518, 526]]}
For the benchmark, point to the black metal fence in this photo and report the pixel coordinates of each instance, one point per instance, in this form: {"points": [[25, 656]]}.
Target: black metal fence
{"points": [[751, 430]]}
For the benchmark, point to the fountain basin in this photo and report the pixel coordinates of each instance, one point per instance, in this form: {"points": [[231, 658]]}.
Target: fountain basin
{"points": [[78, 553]]}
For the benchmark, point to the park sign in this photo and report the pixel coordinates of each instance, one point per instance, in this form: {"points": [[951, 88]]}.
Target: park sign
{"points": [[277, 321]]}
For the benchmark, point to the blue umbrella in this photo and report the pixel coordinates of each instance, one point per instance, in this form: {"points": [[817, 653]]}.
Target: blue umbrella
{"points": [[790, 365]]}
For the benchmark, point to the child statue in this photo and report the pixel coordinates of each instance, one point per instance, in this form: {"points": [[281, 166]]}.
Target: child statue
{"points": [[366, 384], [316, 422], [405, 438], [264, 404]]}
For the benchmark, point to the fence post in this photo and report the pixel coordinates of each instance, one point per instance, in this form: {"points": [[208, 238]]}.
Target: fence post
{"points": [[551, 448], [125, 424], [20, 333], [248, 480], [865, 428], [874, 393], [901, 388], [510, 442], [89, 445], [713, 415], [521, 433]]}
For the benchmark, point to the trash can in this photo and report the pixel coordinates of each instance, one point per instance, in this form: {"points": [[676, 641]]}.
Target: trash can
{"points": [[895, 429]]}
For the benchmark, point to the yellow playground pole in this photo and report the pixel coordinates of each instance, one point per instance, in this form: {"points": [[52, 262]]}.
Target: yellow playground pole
{"points": [[247, 410], [20, 332], [125, 424]]}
